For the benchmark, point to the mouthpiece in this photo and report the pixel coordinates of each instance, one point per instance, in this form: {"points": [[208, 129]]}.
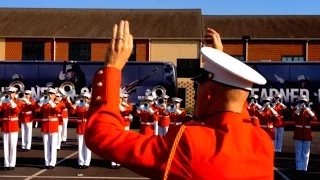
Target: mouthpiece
{"points": [[145, 104], [171, 106]]}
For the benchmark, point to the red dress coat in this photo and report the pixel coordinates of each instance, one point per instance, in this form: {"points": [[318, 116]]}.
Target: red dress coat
{"points": [[125, 114], [50, 120], [10, 118], [303, 121], [82, 115], [227, 147], [147, 122], [27, 111]]}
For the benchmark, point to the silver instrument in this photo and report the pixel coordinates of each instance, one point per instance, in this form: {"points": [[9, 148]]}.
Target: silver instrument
{"points": [[5, 97], [160, 102], [80, 101], [20, 95], [299, 109], [158, 91], [17, 84], [144, 106], [172, 108], [44, 98], [67, 89]]}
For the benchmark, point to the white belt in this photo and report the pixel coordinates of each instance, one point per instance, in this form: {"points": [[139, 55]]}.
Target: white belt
{"points": [[265, 126], [11, 119], [59, 115], [83, 120], [282, 116], [28, 112], [147, 123], [163, 116], [300, 126], [66, 109], [50, 119], [176, 123]]}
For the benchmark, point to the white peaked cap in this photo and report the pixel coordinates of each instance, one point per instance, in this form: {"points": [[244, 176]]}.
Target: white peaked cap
{"points": [[58, 95], [253, 96], [87, 95], [125, 95], [15, 76], [68, 67], [165, 97], [12, 89], [27, 92], [49, 84], [266, 98], [230, 71], [51, 90], [301, 78], [175, 99], [278, 95], [303, 98]]}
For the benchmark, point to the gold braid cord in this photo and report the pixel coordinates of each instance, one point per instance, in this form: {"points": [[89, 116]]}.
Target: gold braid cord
{"points": [[173, 150]]}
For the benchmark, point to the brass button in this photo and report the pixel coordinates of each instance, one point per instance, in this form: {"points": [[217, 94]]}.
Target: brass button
{"points": [[98, 98], [99, 84], [100, 72]]}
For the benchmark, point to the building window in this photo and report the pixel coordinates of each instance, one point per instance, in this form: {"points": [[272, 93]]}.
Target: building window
{"points": [[188, 68], [80, 51], [292, 58], [133, 56], [182, 95], [33, 50], [240, 58]]}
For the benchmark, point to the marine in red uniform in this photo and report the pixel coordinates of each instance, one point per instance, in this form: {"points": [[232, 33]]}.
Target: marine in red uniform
{"points": [[253, 108], [49, 127], [28, 105], [303, 116], [177, 115], [228, 147], [10, 127], [163, 116], [126, 110], [268, 116], [148, 117], [81, 109], [279, 122]]}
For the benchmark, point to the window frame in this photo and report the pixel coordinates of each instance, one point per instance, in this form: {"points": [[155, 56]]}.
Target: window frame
{"points": [[292, 58], [77, 46], [32, 49]]}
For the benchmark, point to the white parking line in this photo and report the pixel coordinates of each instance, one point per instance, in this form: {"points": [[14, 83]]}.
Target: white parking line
{"points": [[281, 174], [44, 170], [74, 177]]}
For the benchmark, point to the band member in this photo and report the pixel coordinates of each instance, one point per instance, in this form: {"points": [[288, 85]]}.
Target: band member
{"points": [[147, 116], [267, 117], [126, 109], [49, 127], [62, 105], [10, 127], [279, 122], [81, 108], [187, 152], [27, 107], [176, 114], [303, 116], [65, 118], [164, 118], [253, 108]]}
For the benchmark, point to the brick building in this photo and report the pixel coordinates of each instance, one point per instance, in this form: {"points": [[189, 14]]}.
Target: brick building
{"points": [[159, 35]]}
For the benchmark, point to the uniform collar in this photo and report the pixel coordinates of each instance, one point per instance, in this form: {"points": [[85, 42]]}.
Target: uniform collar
{"points": [[223, 118]]}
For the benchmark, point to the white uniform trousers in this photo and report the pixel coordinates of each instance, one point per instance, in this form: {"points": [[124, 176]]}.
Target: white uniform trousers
{"points": [[26, 135], [50, 141], [278, 132], [163, 130], [59, 136], [83, 152], [302, 154], [64, 129], [10, 141]]}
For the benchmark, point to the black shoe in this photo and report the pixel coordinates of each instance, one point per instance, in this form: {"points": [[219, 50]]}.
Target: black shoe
{"points": [[63, 142], [46, 167], [51, 167], [85, 167], [118, 166], [58, 149], [5, 168], [22, 150], [11, 168], [81, 167]]}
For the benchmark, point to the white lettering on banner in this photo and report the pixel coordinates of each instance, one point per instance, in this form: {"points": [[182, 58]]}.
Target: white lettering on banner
{"points": [[289, 95], [36, 91]]}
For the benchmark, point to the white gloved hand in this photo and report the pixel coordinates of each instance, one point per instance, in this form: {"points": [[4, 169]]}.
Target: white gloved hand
{"points": [[151, 111], [130, 118], [121, 108], [310, 112], [179, 111], [138, 110], [274, 112], [52, 104], [40, 104], [27, 101], [13, 104], [62, 76]]}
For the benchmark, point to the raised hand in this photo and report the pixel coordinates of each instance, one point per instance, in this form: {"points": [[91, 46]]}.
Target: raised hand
{"points": [[216, 40], [120, 47]]}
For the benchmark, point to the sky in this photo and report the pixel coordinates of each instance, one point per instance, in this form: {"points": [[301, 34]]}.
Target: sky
{"points": [[209, 7]]}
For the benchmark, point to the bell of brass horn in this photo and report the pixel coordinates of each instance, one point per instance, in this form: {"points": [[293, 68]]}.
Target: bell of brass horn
{"points": [[20, 95], [5, 97], [172, 108], [160, 102], [67, 89], [158, 91], [144, 106], [80, 101], [44, 98], [17, 84]]}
